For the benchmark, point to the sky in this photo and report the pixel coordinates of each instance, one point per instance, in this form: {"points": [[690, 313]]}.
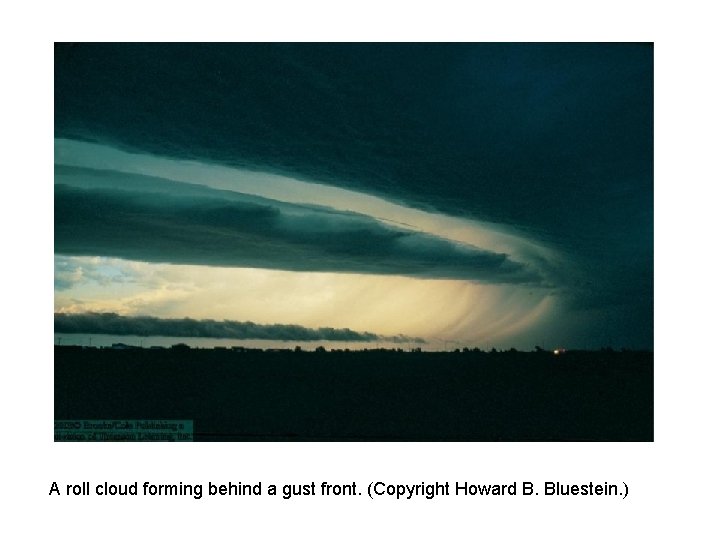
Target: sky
{"points": [[491, 195]]}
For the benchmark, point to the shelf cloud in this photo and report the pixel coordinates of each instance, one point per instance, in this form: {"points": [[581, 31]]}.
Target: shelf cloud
{"points": [[159, 220]]}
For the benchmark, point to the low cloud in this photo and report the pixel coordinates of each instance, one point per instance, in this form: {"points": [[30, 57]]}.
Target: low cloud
{"points": [[69, 272], [114, 324]]}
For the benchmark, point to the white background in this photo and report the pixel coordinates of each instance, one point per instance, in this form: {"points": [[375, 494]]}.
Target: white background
{"points": [[673, 481]]}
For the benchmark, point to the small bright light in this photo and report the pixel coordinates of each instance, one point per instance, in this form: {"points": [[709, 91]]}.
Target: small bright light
{"points": [[556, 351]]}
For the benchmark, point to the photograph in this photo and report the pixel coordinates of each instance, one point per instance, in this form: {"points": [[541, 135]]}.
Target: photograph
{"points": [[345, 242]]}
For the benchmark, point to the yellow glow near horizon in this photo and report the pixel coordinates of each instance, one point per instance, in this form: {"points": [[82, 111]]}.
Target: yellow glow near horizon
{"points": [[457, 311]]}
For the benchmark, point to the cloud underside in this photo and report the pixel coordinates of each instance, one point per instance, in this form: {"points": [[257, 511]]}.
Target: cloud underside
{"points": [[114, 324], [157, 220]]}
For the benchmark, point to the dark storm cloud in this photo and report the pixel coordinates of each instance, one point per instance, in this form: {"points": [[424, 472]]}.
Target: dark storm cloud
{"points": [[112, 323], [158, 220], [555, 140]]}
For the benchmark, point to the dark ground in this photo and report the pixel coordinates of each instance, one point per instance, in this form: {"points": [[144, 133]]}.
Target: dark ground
{"points": [[374, 395]]}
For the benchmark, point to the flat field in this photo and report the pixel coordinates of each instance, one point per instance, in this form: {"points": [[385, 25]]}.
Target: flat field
{"points": [[364, 395]]}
